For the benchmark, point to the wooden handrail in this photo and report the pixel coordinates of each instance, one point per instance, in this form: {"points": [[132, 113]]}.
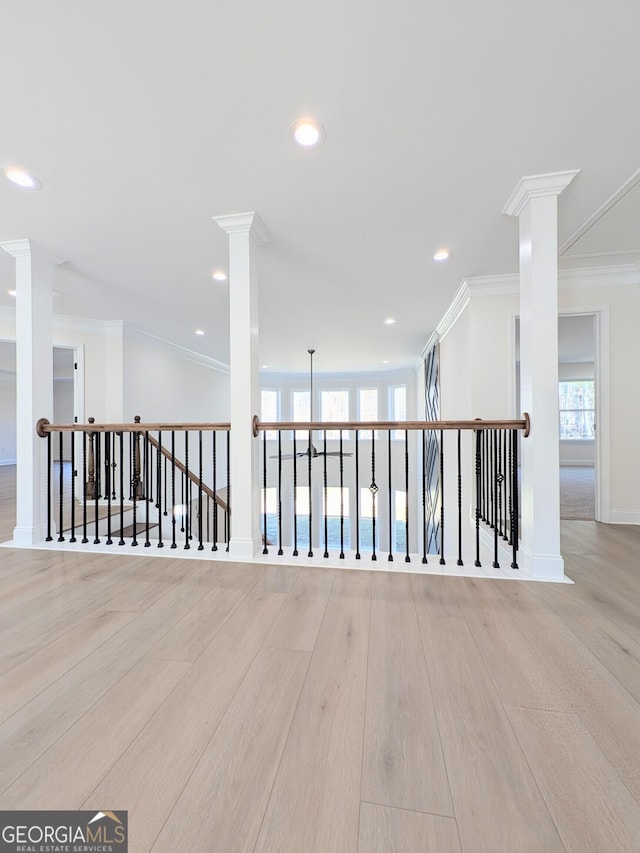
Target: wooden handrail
{"points": [[206, 489], [524, 424], [44, 426]]}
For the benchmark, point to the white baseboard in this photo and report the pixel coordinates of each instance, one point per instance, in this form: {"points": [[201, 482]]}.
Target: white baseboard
{"points": [[625, 516], [8, 461]]}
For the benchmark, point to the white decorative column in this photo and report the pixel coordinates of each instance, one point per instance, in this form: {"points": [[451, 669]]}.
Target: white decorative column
{"points": [[34, 384], [535, 202], [246, 232]]}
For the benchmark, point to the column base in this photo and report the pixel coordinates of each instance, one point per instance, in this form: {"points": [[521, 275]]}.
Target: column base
{"points": [[245, 549], [23, 537], [542, 566]]}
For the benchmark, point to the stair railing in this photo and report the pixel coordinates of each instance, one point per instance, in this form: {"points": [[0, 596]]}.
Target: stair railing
{"points": [[137, 481]]}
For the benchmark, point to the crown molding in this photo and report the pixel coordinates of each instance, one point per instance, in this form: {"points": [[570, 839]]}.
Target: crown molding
{"points": [[182, 352], [241, 223], [613, 199], [25, 248], [537, 186], [621, 275]]}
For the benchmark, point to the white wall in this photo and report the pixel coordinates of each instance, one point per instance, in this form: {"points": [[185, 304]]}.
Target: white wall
{"points": [[487, 324]]}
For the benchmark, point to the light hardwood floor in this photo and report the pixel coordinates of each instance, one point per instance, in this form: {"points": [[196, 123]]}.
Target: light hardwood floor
{"points": [[234, 707]]}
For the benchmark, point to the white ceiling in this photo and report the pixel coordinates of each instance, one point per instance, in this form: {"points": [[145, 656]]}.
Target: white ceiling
{"points": [[144, 119]]}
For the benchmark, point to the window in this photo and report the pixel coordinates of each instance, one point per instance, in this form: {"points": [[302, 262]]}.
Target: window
{"points": [[367, 409], [399, 522], [271, 532], [398, 409], [368, 511], [301, 411], [270, 404], [577, 410], [302, 515], [334, 406], [333, 510]]}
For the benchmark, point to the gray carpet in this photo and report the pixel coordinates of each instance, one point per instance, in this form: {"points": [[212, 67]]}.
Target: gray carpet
{"points": [[577, 493]]}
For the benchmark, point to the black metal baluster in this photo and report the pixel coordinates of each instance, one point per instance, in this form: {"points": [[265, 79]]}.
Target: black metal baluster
{"points": [[159, 458], [494, 509], [499, 481], [173, 489], [208, 514], [107, 484], [182, 503], [187, 489], [227, 515], [61, 487], [164, 462], [407, 559], [121, 435], [96, 540], [515, 521], [295, 495], [215, 495], [265, 549], [49, 489], [310, 552], [341, 499], [84, 488], [459, 561], [325, 493], [72, 538], [389, 490], [113, 466], [505, 487], [509, 484], [280, 551], [478, 493], [373, 489], [442, 560], [148, 468], [358, 494], [200, 545], [424, 496], [135, 451]]}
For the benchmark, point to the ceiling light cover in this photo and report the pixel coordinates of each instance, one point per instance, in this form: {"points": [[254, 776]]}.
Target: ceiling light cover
{"points": [[219, 275], [441, 255], [22, 179], [199, 332], [11, 292], [307, 132], [389, 321]]}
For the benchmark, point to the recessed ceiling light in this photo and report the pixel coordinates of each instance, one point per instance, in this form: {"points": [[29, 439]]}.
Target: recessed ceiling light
{"points": [[22, 179], [441, 255], [389, 321], [386, 361], [11, 292], [199, 332], [307, 132], [264, 366], [219, 275]]}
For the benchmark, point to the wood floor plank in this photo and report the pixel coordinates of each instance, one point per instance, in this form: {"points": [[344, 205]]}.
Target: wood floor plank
{"points": [[403, 763], [193, 633], [315, 801], [36, 673], [227, 794], [497, 803], [26, 735], [66, 774], [517, 670], [607, 710], [149, 777], [299, 620], [389, 830], [590, 805]]}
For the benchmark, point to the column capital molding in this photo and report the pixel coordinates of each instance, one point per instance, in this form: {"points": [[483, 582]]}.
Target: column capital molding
{"points": [[537, 186], [239, 223], [27, 248]]}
